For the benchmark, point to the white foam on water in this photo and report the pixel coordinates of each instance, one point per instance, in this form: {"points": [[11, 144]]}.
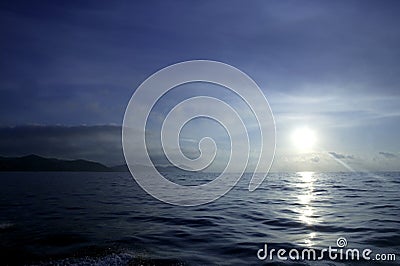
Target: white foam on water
{"points": [[5, 225], [112, 259]]}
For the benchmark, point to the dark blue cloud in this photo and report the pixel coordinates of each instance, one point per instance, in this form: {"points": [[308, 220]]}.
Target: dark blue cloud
{"points": [[86, 58], [388, 155]]}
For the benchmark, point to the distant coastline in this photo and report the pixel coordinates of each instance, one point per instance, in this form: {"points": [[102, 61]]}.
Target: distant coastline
{"points": [[35, 163]]}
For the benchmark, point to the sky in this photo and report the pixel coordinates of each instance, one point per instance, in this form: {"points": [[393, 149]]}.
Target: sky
{"points": [[69, 68]]}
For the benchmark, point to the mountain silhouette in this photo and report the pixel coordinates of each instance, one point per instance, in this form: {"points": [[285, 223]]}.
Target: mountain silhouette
{"points": [[37, 163]]}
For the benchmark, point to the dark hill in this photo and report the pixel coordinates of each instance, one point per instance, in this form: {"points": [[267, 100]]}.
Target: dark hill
{"points": [[37, 163]]}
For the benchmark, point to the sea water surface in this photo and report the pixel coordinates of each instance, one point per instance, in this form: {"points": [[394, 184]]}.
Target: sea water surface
{"points": [[83, 218]]}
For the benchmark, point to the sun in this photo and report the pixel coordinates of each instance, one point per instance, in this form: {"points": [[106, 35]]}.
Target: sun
{"points": [[304, 138]]}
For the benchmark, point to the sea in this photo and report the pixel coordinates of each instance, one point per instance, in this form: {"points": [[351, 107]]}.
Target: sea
{"points": [[87, 218]]}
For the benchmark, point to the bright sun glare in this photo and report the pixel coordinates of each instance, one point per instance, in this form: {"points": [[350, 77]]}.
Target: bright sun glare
{"points": [[304, 138]]}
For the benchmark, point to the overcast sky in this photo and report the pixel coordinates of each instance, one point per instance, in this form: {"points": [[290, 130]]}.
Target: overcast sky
{"points": [[68, 70]]}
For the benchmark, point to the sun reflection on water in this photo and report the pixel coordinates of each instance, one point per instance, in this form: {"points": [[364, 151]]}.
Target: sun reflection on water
{"points": [[309, 240], [306, 210]]}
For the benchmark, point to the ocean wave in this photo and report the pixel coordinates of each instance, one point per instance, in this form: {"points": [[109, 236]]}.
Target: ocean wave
{"points": [[116, 259], [4, 226]]}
